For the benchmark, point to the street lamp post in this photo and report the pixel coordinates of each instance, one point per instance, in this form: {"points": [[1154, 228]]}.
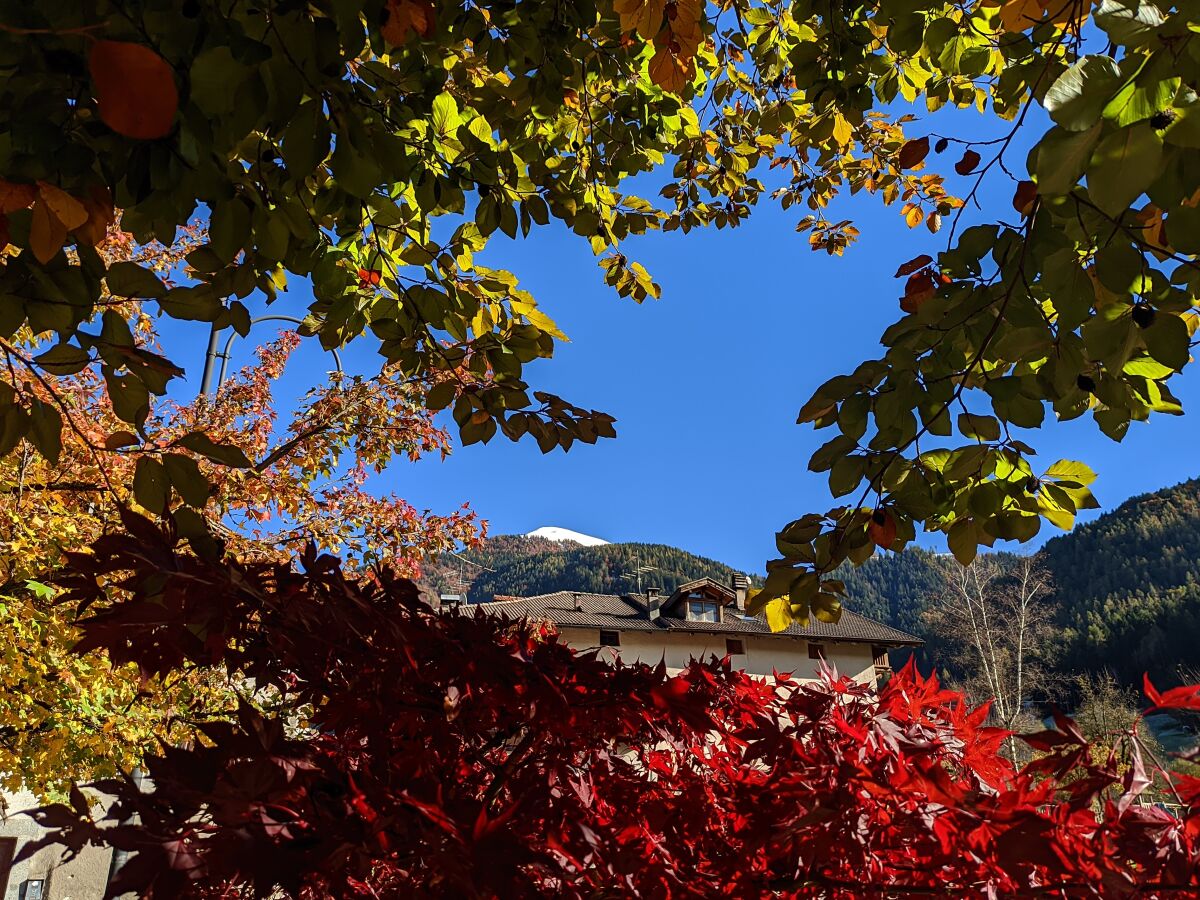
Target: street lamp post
{"points": [[211, 355]]}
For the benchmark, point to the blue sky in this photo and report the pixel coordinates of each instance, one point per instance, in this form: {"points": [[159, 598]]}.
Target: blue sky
{"points": [[706, 382]]}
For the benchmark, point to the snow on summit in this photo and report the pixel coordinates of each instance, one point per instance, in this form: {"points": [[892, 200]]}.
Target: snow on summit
{"points": [[554, 533]]}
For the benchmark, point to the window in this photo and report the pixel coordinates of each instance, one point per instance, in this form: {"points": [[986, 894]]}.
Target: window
{"points": [[610, 639], [734, 647], [816, 651], [703, 611]]}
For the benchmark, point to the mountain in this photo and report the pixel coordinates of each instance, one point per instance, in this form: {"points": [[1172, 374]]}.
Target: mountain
{"points": [[554, 533], [535, 564], [1127, 587]]}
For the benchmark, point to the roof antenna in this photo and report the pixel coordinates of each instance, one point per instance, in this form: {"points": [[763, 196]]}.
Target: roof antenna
{"points": [[638, 570]]}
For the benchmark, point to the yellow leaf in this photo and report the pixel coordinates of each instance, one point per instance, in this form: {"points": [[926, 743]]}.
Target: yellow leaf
{"points": [[779, 614], [914, 216], [843, 133], [643, 15]]}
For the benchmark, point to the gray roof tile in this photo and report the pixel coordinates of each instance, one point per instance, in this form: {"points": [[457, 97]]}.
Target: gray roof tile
{"points": [[624, 612]]}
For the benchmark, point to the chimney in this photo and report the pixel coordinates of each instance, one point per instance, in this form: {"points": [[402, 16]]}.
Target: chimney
{"points": [[578, 605], [741, 586], [653, 604]]}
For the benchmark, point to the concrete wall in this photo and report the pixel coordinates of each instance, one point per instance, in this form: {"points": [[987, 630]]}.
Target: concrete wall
{"points": [[83, 878], [764, 654]]}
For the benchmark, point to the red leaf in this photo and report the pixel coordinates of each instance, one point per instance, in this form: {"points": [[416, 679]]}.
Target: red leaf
{"points": [[917, 262], [913, 153], [1184, 697], [967, 164], [1024, 198], [135, 89], [919, 288]]}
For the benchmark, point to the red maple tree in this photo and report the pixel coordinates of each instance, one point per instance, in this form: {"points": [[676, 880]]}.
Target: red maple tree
{"points": [[436, 754]]}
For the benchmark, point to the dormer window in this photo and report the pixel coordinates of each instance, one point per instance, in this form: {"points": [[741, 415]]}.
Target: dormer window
{"points": [[703, 611]]}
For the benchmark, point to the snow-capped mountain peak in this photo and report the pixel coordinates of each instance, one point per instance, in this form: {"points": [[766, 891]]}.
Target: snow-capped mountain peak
{"points": [[554, 533]]}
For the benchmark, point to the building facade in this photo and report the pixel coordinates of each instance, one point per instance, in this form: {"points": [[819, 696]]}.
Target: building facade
{"points": [[47, 876], [706, 618]]}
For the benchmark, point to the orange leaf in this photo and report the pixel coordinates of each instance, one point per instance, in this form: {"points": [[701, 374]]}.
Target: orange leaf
{"points": [[46, 233], [882, 530], [68, 210], [914, 216], [668, 72], [101, 214], [135, 89], [15, 196], [405, 17], [934, 222]]}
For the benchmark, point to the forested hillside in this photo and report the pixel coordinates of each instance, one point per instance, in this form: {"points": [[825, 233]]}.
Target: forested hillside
{"points": [[520, 565], [1127, 585]]}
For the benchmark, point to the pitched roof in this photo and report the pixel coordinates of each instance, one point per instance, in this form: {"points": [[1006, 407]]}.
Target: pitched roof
{"points": [[626, 612]]}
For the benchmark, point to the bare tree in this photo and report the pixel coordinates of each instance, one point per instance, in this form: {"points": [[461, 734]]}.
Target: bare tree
{"points": [[995, 616]]}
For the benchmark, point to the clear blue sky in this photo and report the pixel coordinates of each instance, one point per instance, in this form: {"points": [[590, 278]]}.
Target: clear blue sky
{"points": [[706, 383]]}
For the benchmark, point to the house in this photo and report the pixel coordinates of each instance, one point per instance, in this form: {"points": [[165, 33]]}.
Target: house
{"points": [[704, 618]]}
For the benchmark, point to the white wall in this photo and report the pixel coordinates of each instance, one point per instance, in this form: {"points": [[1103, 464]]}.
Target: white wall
{"points": [[764, 654], [83, 878]]}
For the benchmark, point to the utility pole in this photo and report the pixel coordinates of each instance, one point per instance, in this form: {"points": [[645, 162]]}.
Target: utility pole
{"points": [[207, 385]]}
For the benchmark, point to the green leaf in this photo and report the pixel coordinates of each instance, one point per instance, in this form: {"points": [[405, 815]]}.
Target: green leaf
{"points": [[1059, 161], [186, 478], [63, 359], [129, 397], [150, 485], [128, 279], [45, 430], [215, 76], [307, 139], [444, 115], [14, 425], [229, 228], [1070, 288], [984, 428], [963, 542], [1130, 23], [1134, 103], [1123, 166], [226, 454], [1167, 340], [1078, 96]]}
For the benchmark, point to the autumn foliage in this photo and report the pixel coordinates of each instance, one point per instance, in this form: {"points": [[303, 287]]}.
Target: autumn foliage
{"points": [[455, 755]]}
